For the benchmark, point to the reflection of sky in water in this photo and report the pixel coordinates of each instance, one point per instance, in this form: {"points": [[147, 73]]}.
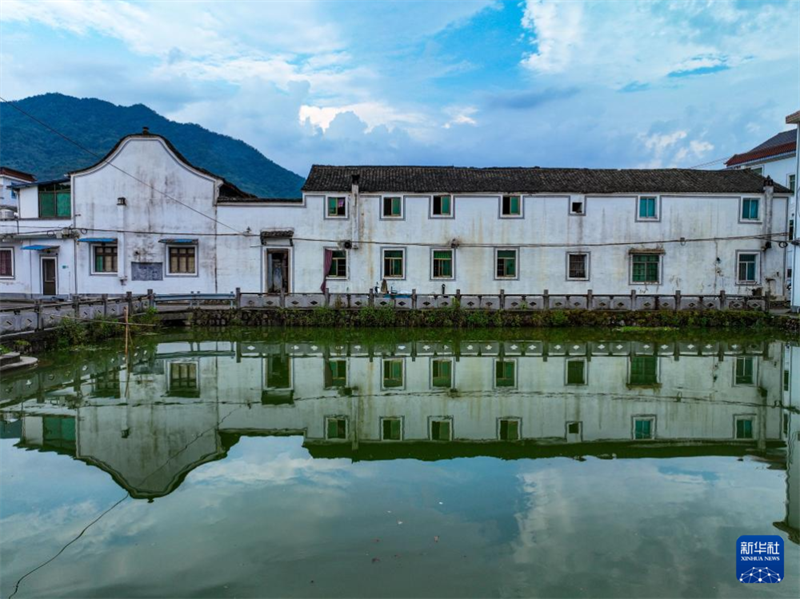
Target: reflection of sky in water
{"points": [[270, 520]]}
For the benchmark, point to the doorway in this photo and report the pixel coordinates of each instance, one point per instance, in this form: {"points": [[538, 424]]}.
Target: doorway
{"points": [[278, 271], [49, 271]]}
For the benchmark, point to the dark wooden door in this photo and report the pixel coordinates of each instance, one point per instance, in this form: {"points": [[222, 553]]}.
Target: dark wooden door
{"points": [[278, 271], [49, 276]]}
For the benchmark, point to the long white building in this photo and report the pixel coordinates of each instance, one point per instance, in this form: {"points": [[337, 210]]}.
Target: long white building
{"points": [[145, 218]]}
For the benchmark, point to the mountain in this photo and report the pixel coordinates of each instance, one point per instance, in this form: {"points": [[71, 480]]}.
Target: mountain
{"points": [[97, 125]]}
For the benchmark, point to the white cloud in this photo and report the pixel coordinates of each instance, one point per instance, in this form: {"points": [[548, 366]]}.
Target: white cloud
{"points": [[460, 115], [558, 31]]}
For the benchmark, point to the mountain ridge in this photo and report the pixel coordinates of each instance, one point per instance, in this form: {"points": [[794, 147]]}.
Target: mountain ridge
{"points": [[98, 125]]}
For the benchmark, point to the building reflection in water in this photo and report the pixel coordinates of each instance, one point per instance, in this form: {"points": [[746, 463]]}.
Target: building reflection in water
{"points": [[185, 403]]}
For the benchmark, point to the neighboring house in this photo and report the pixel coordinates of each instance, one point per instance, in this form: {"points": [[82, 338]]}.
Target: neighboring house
{"points": [[775, 158], [10, 177], [145, 218], [352, 400]]}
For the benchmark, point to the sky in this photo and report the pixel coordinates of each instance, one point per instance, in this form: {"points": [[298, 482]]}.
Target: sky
{"points": [[617, 84]]}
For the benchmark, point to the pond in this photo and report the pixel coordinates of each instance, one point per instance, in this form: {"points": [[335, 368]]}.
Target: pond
{"points": [[316, 463]]}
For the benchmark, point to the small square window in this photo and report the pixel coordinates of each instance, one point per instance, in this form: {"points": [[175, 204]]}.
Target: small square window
{"points": [[577, 207], [644, 428], [442, 206], [393, 264], [104, 258], [744, 427], [338, 268], [505, 373], [392, 373], [336, 374], [442, 374], [578, 267], [576, 372], [509, 429], [392, 207], [441, 429], [750, 209], [336, 207], [511, 206], [182, 259], [7, 263], [183, 379], [747, 268], [442, 264], [391, 429], [646, 268], [791, 182], [336, 427], [644, 371], [573, 428], [648, 208], [506, 264], [745, 371]]}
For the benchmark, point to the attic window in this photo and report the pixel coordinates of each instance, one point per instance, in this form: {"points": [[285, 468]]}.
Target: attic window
{"points": [[511, 207], [577, 208]]}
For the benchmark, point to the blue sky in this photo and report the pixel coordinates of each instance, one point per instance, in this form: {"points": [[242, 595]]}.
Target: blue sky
{"points": [[478, 83]]}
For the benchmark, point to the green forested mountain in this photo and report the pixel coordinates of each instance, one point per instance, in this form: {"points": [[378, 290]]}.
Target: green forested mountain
{"points": [[27, 146]]}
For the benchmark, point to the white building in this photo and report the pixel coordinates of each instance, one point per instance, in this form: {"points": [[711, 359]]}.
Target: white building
{"points": [[10, 177], [794, 119], [144, 218], [775, 158]]}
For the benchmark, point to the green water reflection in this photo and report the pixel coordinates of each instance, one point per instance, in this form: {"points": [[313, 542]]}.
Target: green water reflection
{"points": [[414, 463]]}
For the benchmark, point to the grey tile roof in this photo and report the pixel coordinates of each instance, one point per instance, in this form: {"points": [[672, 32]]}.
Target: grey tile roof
{"points": [[450, 179], [784, 137]]}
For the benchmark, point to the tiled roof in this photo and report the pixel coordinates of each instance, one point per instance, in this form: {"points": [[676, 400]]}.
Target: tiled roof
{"points": [[256, 200], [450, 179], [782, 143], [15, 174]]}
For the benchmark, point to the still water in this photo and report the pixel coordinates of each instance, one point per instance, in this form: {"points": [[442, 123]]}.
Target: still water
{"points": [[400, 464]]}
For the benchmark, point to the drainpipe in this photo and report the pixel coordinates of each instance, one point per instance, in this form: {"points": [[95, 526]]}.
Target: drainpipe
{"points": [[769, 190], [356, 223]]}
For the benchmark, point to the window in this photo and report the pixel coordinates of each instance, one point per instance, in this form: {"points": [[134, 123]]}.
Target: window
{"points": [[7, 263], [182, 259], [393, 264], [574, 428], [644, 371], [336, 374], [578, 267], [441, 429], [338, 269], [786, 379], [646, 268], [54, 201], [442, 264], [576, 372], [393, 207], [791, 228], [505, 373], [336, 427], [391, 429], [279, 371], [577, 208], [509, 429], [511, 206], [336, 207], [183, 379], [104, 258], [644, 427], [442, 206], [648, 208], [744, 427], [506, 264], [758, 170], [750, 209], [745, 371], [791, 182], [392, 373], [746, 268], [441, 374]]}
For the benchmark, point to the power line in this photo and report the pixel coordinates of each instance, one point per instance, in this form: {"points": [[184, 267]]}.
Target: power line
{"points": [[96, 155], [710, 162], [681, 240]]}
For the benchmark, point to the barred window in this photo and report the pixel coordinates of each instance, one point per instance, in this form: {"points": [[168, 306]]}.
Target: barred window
{"points": [[105, 257]]}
